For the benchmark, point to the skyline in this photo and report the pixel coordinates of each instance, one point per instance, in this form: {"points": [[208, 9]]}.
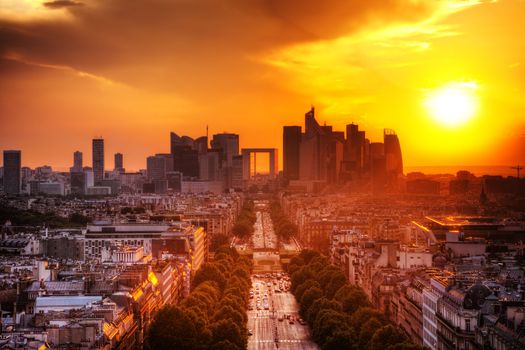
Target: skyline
{"points": [[86, 153], [375, 64]]}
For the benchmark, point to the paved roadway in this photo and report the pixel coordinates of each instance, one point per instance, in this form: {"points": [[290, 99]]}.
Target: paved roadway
{"points": [[268, 331]]}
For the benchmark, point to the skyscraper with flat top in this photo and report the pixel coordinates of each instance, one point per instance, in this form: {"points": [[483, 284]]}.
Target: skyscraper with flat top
{"points": [[119, 162], [228, 144], [77, 162], [12, 166], [291, 146], [98, 160]]}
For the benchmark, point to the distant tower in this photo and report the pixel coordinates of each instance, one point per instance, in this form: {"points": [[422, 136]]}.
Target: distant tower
{"points": [[517, 168], [12, 174], [394, 159], [77, 162], [98, 160], [119, 162], [483, 196], [291, 147], [228, 145]]}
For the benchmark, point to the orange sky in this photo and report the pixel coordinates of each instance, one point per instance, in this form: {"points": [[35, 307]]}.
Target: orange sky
{"points": [[132, 71]]}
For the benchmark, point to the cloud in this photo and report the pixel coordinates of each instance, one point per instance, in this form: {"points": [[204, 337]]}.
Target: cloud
{"points": [[180, 44], [57, 4], [82, 74]]}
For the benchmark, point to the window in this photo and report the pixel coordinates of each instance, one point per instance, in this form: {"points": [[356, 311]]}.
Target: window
{"points": [[467, 325]]}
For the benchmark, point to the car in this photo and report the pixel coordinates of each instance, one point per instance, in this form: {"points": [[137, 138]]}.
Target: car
{"points": [[291, 321], [250, 332]]}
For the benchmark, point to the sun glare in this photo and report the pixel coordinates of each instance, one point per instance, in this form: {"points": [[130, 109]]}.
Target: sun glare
{"points": [[453, 104]]}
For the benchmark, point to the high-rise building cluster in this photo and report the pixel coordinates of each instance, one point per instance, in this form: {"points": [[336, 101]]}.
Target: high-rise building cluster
{"points": [[320, 156], [193, 166]]}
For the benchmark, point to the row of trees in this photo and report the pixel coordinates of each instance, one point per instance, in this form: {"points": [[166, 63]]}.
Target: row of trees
{"points": [[243, 227], [214, 315], [339, 314], [284, 228], [34, 218]]}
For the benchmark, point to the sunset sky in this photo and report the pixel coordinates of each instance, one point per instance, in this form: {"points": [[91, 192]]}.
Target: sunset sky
{"points": [[132, 71]]}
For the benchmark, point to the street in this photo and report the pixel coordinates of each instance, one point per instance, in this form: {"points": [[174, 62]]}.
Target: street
{"points": [[273, 316]]}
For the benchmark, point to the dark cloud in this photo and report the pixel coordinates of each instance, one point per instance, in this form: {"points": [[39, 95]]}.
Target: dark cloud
{"points": [[181, 44], [61, 4]]}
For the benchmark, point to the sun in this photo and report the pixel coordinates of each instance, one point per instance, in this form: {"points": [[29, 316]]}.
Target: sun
{"points": [[454, 104]]}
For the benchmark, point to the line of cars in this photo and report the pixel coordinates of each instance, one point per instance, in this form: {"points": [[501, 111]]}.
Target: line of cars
{"points": [[261, 298]]}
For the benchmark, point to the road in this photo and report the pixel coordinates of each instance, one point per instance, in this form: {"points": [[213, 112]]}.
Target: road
{"points": [[272, 304]]}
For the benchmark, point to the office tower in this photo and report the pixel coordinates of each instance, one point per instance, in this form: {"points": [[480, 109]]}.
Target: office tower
{"points": [[158, 166], [228, 144], [174, 179], [77, 162], [12, 166], [237, 173], [291, 147], [201, 144], [321, 151], [89, 178], [378, 173], [98, 160], [78, 182], [119, 162], [209, 166], [394, 159], [354, 151], [185, 157]]}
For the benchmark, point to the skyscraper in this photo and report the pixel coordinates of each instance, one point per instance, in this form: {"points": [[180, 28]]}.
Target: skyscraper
{"points": [[98, 160], [12, 166], [185, 157], [291, 146], [321, 151], [158, 166], [394, 159], [77, 162], [119, 162], [228, 144]]}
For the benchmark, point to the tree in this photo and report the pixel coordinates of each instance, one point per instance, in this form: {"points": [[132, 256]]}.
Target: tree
{"points": [[337, 281], [362, 315], [299, 291], [177, 328], [301, 276], [224, 345], [226, 312], [340, 339], [367, 332], [352, 298], [327, 322], [308, 298], [242, 229], [406, 346], [228, 330], [218, 240], [386, 336], [320, 305], [307, 255], [209, 272]]}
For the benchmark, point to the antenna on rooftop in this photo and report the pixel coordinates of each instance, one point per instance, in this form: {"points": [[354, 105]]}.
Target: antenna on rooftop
{"points": [[517, 168]]}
